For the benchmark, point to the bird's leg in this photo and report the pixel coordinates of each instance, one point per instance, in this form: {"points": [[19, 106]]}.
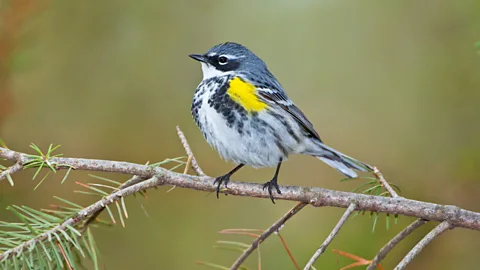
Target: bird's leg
{"points": [[225, 178], [273, 182]]}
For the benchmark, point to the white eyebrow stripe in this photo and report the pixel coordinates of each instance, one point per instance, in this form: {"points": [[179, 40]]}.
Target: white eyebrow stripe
{"points": [[229, 56], [232, 57]]}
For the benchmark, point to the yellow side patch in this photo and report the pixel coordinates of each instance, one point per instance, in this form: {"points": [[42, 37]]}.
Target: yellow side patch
{"points": [[244, 94]]}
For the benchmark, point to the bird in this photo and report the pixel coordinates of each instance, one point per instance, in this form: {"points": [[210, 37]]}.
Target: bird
{"points": [[246, 116]]}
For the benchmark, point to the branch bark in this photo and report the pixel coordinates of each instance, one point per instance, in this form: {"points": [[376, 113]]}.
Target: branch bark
{"points": [[10, 170]]}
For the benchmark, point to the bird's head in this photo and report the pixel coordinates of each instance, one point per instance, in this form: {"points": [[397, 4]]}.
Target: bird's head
{"points": [[227, 58]]}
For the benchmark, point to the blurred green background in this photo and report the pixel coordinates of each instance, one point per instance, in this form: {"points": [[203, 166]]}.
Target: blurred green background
{"points": [[393, 83]]}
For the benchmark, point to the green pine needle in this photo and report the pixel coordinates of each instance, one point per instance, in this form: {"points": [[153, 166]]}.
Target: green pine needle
{"points": [[38, 170], [120, 214], [387, 221], [38, 215], [374, 221], [66, 175], [41, 181], [99, 191], [10, 180], [176, 160], [56, 255], [36, 148], [111, 214], [93, 249], [396, 187], [73, 230], [24, 219], [76, 206], [368, 190], [42, 160], [46, 252]]}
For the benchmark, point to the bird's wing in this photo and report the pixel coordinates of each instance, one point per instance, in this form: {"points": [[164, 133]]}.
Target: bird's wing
{"points": [[276, 95]]}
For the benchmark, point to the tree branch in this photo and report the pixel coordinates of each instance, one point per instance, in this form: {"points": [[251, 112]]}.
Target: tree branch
{"points": [[275, 227], [456, 216], [330, 237], [422, 244], [384, 182], [189, 152], [11, 170], [392, 243]]}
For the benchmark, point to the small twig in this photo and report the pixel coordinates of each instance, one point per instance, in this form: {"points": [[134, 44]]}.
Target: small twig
{"points": [[421, 245], [189, 152], [384, 182], [392, 243], [275, 226], [132, 181], [330, 237], [11, 170]]}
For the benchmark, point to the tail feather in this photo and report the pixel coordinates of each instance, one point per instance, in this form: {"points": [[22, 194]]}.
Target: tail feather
{"points": [[341, 162], [339, 166]]}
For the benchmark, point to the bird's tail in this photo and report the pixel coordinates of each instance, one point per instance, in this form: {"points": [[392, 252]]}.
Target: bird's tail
{"points": [[341, 162]]}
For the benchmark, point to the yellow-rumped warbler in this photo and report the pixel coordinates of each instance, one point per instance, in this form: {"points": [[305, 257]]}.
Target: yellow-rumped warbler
{"points": [[244, 113]]}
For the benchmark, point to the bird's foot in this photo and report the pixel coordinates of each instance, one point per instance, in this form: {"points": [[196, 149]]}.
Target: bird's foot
{"points": [[221, 179], [272, 184]]}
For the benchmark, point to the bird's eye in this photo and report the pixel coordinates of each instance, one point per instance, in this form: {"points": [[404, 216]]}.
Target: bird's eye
{"points": [[222, 59]]}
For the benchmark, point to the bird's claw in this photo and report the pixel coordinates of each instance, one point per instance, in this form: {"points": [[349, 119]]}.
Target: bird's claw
{"points": [[221, 179], [269, 185]]}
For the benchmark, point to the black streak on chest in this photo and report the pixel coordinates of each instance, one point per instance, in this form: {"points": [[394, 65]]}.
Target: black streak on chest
{"points": [[231, 111], [235, 115]]}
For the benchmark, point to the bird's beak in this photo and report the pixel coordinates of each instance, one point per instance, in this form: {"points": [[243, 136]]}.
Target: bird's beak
{"points": [[199, 57]]}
